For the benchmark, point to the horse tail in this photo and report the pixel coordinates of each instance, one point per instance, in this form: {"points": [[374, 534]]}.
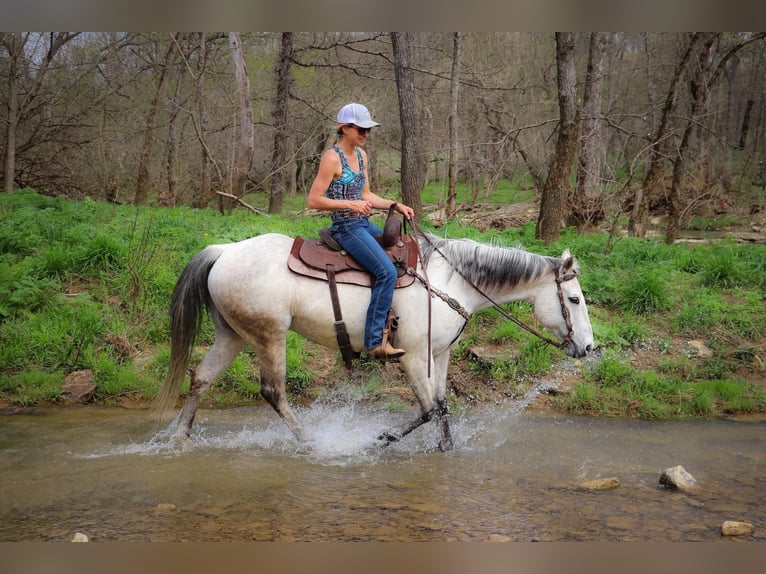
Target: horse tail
{"points": [[190, 298]]}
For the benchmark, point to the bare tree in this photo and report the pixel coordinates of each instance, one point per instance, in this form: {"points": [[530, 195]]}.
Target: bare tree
{"points": [[556, 189], [654, 177], [279, 158], [587, 201], [144, 175], [244, 150], [177, 102], [203, 194], [77, 133], [20, 109], [411, 167], [14, 43], [698, 87], [706, 73], [453, 125]]}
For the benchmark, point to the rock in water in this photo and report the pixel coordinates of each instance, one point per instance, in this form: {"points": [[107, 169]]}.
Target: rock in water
{"points": [[735, 528], [600, 483], [676, 478]]}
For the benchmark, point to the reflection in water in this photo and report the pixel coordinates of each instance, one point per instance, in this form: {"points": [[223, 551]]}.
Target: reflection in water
{"points": [[243, 477]]}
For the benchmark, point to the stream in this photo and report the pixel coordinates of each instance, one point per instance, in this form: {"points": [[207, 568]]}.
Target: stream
{"points": [[116, 475]]}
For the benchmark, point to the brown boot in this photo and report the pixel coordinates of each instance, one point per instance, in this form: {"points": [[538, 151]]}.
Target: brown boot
{"points": [[385, 352]]}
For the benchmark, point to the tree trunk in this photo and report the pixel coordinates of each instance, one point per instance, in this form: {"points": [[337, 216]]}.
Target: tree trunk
{"points": [[556, 188], [745, 123], [243, 152], [654, 177], [698, 88], [15, 46], [453, 127], [170, 197], [19, 108], [144, 176], [279, 161], [411, 166], [204, 193], [587, 204]]}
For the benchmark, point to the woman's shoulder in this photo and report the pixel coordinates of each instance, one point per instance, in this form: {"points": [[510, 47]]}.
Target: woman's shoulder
{"points": [[331, 154]]}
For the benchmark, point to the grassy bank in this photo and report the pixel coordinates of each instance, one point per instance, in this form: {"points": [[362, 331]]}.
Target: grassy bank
{"points": [[86, 285]]}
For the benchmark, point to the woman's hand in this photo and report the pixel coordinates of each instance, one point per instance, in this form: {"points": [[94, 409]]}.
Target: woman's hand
{"points": [[360, 206], [405, 210]]}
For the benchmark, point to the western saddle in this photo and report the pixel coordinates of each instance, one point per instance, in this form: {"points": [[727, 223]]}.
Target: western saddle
{"points": [[323, 258]]}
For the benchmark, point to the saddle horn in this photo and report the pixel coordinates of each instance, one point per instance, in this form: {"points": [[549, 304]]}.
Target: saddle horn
{"points": [[392, 229]]}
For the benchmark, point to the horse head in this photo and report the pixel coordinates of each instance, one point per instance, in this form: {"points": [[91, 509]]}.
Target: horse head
{"points": [[561, 308]]}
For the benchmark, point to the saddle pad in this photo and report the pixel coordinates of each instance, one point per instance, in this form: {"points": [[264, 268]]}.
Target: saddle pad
{"points": [[310, 257]]}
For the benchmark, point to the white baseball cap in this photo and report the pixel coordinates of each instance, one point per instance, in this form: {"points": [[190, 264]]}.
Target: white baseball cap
{"points": [[356, 114]]}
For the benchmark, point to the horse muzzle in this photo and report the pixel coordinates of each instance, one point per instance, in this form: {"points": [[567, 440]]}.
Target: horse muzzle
{"points": [[577, 351]]}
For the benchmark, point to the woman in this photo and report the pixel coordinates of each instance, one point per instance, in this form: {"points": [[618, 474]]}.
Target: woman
{"points": [[342, 187]]}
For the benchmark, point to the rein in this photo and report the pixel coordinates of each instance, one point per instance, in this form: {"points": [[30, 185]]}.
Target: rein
{"points": [[536, 333], [463, 313]]}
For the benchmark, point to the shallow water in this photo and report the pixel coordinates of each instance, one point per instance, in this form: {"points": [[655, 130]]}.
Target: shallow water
{"points": [[112, 474]]}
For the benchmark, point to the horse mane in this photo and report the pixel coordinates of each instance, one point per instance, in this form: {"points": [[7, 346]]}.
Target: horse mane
{"points": [[488, 266]]}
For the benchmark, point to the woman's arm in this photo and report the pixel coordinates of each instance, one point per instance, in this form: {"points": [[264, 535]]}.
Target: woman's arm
{"points": [[329, 169]]}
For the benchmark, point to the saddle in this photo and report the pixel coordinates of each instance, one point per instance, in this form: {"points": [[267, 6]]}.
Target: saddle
{"points": [[325, 259], [312, 257]]}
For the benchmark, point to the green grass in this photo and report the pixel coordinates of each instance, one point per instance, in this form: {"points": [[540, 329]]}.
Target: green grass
{"points": [[615, 388]]}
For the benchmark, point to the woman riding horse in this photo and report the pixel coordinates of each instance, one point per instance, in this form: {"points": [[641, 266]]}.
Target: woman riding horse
{"points": [[342, 187]]}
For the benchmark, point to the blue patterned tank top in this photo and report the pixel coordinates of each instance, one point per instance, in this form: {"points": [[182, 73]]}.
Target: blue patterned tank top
{"points": [[346, 186]]}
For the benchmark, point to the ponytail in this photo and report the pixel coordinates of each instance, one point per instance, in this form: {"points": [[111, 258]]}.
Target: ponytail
{"points": [[338, 135]]}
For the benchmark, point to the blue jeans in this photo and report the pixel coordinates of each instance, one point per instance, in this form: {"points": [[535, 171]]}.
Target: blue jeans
{"points": [[357, 236]]}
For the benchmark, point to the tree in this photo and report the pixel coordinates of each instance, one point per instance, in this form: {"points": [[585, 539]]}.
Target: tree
{"points": [[706, 73], [556, 188], [246, 143], [587, 202], [21, 107], [453, 126], [203, 193], [14, 43], [279, 157], [654, 176], [144, 176], [412, 176]]}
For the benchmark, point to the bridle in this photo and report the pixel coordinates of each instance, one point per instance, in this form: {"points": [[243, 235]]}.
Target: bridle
{"points": [[457, 307], [564, 311]]}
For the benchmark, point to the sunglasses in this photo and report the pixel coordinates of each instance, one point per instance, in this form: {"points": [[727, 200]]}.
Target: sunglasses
{"points": [[361, 131]]}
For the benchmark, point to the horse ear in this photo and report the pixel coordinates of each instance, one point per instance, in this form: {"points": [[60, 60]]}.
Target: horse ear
{"points": [[568, 261]]}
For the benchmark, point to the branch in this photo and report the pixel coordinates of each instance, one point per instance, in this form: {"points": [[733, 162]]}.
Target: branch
{"points": [[242, 203]]}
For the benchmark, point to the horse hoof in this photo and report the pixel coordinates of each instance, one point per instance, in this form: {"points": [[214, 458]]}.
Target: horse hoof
{"points": [[181, 438], [387, 438]]}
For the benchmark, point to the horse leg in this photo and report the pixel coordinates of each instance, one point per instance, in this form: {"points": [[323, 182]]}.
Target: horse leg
{"points": [[393, 436], [226, 347], [430, 406], [445, 442], [441, 364], [273, 373], [420, 384]]}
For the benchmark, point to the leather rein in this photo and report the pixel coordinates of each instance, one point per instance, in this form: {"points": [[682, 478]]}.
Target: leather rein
{"points": [[454, 304]]}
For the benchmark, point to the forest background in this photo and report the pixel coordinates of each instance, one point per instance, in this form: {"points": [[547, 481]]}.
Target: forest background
{"points": [[606, 133], [597, 123]]}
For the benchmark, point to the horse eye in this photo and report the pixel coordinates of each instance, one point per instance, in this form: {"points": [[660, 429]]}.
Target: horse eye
{"points": [[575, 300]]}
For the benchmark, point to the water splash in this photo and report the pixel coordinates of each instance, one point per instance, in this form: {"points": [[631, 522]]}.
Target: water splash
{"points": [[343, 429]]}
